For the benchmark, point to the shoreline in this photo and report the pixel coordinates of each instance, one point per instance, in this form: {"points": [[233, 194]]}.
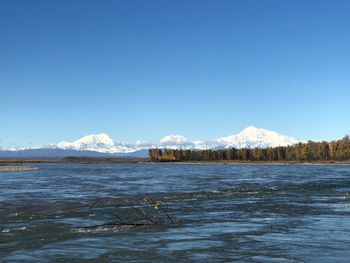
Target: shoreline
{"points": [[88, 160], [257, 162]]}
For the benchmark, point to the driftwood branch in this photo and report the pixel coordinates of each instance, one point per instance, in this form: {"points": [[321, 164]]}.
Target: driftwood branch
{"points": [[143, 214], [149, 220], [163, 210]]}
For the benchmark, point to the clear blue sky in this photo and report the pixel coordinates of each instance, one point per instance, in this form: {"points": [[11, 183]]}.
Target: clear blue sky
{"points": [[144, 69]]}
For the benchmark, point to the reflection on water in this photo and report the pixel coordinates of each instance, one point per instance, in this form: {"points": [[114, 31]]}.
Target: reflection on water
{"points": [[246, 213]]}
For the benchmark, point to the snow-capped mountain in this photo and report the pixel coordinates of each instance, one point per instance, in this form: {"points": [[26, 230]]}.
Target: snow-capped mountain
{"points": [[173, 139], [250, 137], [175, 142], [96, 142]]}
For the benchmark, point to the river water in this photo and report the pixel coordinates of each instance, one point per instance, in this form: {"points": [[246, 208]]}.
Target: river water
{"points": [[217, 213]]}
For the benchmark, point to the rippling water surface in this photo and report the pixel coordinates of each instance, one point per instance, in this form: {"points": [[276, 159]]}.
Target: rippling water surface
{"points": [[228, 213]]}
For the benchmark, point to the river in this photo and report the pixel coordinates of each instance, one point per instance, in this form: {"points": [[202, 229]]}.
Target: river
{"points": [[206, 213]]}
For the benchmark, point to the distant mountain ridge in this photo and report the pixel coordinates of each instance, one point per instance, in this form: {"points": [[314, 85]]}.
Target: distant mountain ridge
{"points": [[103, 145], [54, 153]]}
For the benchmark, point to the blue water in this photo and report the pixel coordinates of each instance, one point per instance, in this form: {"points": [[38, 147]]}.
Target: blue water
{"points": [[220, 213]]}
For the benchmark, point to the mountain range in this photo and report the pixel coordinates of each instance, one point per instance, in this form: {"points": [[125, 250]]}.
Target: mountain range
{"points": [[96, 145]]}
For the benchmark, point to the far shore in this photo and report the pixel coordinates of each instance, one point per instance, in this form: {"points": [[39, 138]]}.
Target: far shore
{"points": [[233, 162], [257, 163], [15, 163]]}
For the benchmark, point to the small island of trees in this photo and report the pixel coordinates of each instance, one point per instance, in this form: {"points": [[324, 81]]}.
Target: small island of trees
{"points": [[338, 150]]}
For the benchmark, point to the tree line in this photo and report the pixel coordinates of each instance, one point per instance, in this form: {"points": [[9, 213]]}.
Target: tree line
{"points": [[338, 150]]}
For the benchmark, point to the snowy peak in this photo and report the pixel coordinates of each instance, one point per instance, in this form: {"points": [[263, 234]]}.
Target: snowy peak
{"points": [[96, 142], [252, 137], [174, 142], [173, 139], [96, 139], [89, 141], [252, 131]]}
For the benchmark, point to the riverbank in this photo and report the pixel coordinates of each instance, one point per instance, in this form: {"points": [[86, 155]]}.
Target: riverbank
{"points": [[18, 168], [261, 162], [90, 160]]}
